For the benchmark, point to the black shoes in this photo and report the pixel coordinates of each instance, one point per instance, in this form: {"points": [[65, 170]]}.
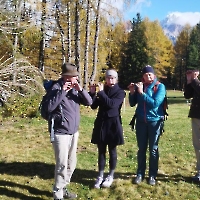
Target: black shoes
{"points": [[138, 179], [196, 178], [152, 180]]}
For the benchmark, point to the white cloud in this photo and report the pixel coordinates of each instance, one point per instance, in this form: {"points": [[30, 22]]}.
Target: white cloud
{"points": [[138, 4], [116, 4], [134, 5], [126, 9], [183, 18]]}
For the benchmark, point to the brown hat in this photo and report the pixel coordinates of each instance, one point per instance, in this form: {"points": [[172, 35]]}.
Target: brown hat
{"points": [[69, 69]]}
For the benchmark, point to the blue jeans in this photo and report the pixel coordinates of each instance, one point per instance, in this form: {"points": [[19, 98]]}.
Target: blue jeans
{"points": [[148, 133]]}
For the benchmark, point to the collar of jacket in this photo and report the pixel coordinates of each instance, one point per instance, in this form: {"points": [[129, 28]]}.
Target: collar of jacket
{"points": [[111, 90], [151, 85]]}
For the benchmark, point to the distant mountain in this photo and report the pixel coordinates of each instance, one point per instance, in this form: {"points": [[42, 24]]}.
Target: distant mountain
{"points": [[170, 26], [172, 30]]}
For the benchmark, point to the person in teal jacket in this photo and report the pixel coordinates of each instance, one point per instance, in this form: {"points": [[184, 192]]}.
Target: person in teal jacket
{"points": [[149, 121]]}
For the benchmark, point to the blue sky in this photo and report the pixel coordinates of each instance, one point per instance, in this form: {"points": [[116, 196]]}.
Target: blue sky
{"points": [[159, 9], [182, 11]]}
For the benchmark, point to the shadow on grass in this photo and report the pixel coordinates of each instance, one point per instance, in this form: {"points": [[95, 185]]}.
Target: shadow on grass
{"points": [[176, 100], [30, 169], [42, 170], [88, 177], [176, 178], [172, 179], [6, 191], [84, 177]]}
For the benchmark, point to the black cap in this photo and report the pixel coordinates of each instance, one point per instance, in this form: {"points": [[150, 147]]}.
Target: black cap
{"points": [[147, 69]]}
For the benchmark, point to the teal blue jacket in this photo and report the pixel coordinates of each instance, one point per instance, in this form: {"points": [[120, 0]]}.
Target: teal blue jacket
{"points": [[149, 104]]}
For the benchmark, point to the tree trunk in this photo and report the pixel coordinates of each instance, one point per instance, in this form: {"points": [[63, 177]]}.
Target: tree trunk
{"points": [[96, 38], [18, 7], [77, 39], [69, 32], [42, 41], [57, 17], [87, 35]]}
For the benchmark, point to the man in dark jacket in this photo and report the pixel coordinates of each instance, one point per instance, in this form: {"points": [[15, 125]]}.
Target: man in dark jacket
{"points": [[192, 90], [107, 126], [65, 99]]}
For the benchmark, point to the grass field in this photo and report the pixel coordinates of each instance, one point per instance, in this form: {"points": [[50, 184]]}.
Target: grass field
{"points": [[27, 161]]}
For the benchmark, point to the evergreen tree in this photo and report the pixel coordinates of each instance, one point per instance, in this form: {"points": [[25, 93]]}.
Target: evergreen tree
{"points": [[193, 56], [134, 56]]}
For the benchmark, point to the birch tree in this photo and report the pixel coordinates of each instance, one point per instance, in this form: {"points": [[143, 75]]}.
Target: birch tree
{"points": [[77, 37], [69, 53], [96, 39], [57, 18], [87, 34], [42, 41]]}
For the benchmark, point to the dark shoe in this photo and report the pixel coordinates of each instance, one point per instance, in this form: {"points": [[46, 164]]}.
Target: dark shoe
{"points": [[69, 195], [58, 199], [196, 178], [138, 179], [152, 180]]}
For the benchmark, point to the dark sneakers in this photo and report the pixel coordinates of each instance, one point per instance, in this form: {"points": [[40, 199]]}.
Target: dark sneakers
{"points": [[152, 180], [196, 178], [138, 179]]}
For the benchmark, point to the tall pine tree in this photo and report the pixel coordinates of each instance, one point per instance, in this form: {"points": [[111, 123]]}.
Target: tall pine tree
{"points": [[134, 54], [193, 57]]}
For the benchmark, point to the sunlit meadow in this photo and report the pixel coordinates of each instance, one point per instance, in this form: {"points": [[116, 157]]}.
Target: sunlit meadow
{"points": [[27, 160]]}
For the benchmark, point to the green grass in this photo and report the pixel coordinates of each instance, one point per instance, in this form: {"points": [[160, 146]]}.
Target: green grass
{"points": [[27, 160]]}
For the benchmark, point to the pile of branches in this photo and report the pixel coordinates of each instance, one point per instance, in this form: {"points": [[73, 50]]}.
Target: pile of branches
{"points": [[19, 78]]}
